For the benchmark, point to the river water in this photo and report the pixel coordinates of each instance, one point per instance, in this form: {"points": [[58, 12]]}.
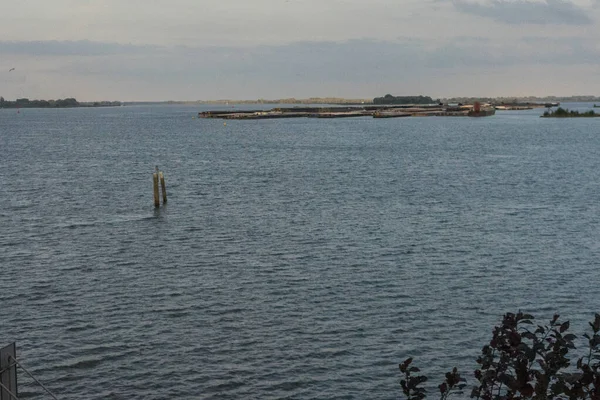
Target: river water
{"points": [[300, 258]]}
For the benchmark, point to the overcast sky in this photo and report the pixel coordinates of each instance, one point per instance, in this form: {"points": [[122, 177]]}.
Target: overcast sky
{"points": [[248, 49]]}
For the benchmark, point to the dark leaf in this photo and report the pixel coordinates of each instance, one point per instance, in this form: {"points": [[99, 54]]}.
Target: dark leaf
{"points": [[596, 325], [405, 364], [526, 390], [443, 388], [540, 329], [558, 388], [564, 326], [507, 380]]}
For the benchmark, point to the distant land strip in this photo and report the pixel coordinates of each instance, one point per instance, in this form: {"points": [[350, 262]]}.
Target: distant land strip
{"points": [[59, 103], [356, 101], [312, 100], [387, 99]]}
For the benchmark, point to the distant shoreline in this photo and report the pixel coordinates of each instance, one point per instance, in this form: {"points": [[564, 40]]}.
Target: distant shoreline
{"points": [[73, 103], [344, 101], [225, 102], [59, 103]]}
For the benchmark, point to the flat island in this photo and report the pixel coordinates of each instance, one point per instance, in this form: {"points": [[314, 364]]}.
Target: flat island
{"points": [[566, 113], [375, 111], [387, 106]]}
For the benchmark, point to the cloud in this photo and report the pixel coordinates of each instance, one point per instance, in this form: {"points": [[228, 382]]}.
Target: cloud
{"points": [[201, 49], [354, 68], [69, 48], [548, 12]]}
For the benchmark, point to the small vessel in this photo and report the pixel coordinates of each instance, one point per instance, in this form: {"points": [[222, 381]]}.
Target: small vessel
{"points": [[477, 111]]}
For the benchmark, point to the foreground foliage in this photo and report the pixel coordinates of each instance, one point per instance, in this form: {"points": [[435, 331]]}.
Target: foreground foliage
{"points": [[523, 361]]}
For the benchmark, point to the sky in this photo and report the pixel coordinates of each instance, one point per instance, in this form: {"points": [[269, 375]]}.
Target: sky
{"points": [[249, 49]]}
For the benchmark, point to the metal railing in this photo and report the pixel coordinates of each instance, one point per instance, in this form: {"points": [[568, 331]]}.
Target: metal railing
{"points": [[8, 374]]}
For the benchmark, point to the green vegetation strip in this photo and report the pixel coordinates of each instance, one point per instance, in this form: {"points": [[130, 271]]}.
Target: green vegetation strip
{"points": [[566, 113]]}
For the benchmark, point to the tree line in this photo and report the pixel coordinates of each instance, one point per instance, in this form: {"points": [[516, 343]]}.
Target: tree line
{"points": [[566, 113], [58, 103], [389, 99]]}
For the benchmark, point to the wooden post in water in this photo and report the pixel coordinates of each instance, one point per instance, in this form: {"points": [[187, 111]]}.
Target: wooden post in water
{"points": [[156, 196], [163, 186]]}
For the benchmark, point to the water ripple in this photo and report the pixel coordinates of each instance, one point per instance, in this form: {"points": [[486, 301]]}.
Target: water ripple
{"points": [[295, 259]]}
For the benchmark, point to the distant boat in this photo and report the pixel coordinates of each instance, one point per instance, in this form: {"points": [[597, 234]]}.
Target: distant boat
{"points": [[478, 111], [482, 113], [390, 114]]}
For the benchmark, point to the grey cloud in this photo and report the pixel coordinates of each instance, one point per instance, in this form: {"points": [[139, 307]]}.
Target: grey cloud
{"points": [[337, 61], [69, 48], [313, 62], [561, 12], [298, 69]]}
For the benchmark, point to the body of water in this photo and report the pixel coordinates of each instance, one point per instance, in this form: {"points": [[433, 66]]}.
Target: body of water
{"points": [[300, 258]]}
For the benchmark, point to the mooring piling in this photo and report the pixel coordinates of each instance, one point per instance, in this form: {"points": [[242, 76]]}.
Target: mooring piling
{"points": [[156, 177], [163, 187], [155, 180]]}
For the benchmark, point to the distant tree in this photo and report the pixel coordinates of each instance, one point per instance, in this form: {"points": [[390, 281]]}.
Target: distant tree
{"points": [[69, 102], [389, 99], [565, 113], [561, 112]]}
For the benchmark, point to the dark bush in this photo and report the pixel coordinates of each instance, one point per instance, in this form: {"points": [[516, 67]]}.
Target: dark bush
{"points": [[523, 361]]}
